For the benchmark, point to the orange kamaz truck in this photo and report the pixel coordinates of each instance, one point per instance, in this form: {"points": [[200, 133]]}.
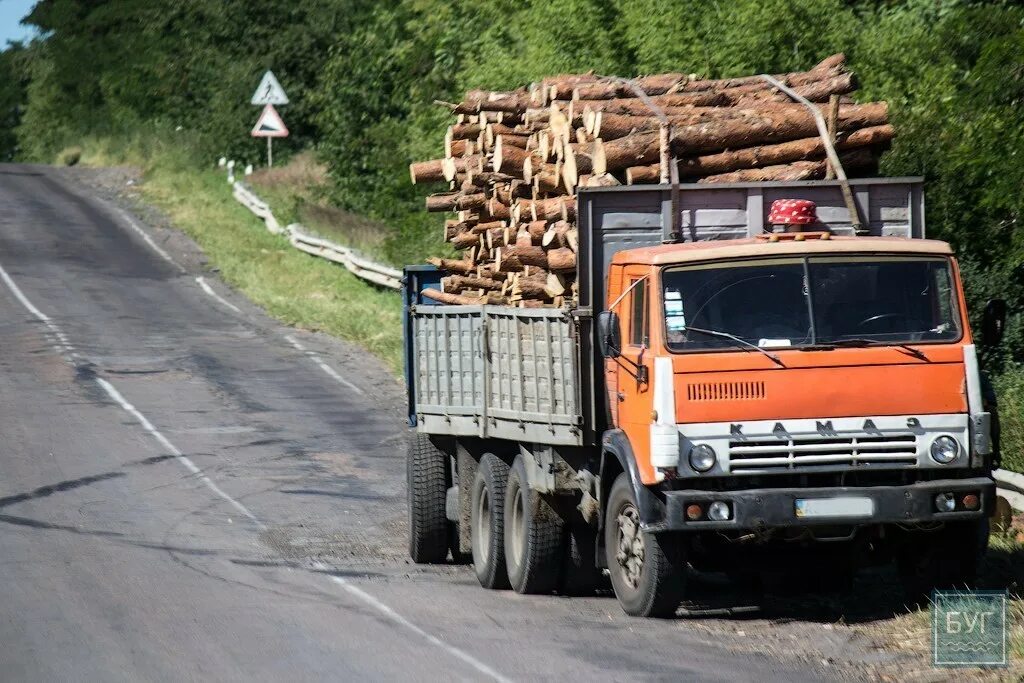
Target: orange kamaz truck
{"points": [[728, 396]]}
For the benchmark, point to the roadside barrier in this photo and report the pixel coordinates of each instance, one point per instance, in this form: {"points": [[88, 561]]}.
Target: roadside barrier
{"points": [[301, 239]]}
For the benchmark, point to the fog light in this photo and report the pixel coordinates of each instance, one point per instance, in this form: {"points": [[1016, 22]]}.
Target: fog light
{"points": [[945, 449], [694, 512], [971, 501], [702, 457], [719, 511], [945, 502]]}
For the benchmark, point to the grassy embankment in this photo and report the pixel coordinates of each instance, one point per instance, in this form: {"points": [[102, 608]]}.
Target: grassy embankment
{"points": [[299, 289]]}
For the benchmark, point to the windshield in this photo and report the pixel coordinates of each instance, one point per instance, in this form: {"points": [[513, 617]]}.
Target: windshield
{"points": [[813, 301]]}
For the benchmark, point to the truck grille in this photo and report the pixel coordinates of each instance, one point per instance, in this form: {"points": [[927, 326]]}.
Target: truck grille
{"points": [[818, 453], [725, 391]]}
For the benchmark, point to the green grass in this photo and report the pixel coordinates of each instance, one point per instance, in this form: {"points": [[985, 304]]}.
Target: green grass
{"points": [[296, 288], [1010, 390]]}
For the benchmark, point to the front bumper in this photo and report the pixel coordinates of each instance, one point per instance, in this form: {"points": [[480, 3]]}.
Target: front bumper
{"points": [[776, 508]]}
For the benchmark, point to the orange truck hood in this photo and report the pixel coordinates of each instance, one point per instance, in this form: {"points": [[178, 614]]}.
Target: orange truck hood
{"points": [[740, 386]]}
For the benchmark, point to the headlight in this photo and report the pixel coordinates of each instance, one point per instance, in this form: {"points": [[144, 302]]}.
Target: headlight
{"points": [[945, 449], [702, 457]]}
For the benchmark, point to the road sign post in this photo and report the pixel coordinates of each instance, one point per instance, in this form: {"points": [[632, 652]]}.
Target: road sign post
{"points": [[270, 125]]}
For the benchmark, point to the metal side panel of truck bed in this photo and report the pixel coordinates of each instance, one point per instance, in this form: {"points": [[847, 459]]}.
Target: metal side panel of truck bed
{"points": [[496, 372]]}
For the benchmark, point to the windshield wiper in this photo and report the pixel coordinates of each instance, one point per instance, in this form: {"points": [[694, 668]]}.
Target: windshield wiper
{"points": [[738, 340], [858, 342]]}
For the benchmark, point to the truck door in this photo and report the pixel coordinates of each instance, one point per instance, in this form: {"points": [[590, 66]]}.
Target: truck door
{"points": [[634, 396]]}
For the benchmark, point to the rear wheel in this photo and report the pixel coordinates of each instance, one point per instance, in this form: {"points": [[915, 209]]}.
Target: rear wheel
{"points": [[647, 571], [533, 535], [428, 475], [943, 559], [487, 522]]}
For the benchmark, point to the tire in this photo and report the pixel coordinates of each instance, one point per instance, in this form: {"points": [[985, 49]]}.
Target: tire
{"points": [[534, 533], [649, 574], [427, 471], [942, 560], [487, 522]]}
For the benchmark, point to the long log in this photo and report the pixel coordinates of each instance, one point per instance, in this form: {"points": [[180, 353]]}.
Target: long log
{"points": [[465, 240], [449, 298], [444, 201], [798, 170], [453, 265], [610, 126], [819, 91], [461, 282], [823, 69], [769, 126], [613, 90], [781, 153]]}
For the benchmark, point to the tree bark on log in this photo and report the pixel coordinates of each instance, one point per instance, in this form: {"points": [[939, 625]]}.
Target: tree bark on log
{"points": [[427, 171], [497, 210], [465, 240], [827, 67], [444, 201], [781, 153], [798, 170], [561, 260], [452, 265], [449, 298], [508, 159], [458, 283], [769, 126]]}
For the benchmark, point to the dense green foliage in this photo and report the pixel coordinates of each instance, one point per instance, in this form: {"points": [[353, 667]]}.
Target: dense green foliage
{"points": [[363, 75]]}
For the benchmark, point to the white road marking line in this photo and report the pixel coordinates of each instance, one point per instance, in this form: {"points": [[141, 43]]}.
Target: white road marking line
{"points": [[209, 290], [173, 450], [194, 469], [323, 366], [145, 236], [399, 619], [64, 345]]}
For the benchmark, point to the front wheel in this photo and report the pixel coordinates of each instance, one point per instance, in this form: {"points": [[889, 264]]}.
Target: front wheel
{"points": [[648, 572]]}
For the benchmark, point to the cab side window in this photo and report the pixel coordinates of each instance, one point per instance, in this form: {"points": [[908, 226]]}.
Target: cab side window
{"points": [[638, 334]]}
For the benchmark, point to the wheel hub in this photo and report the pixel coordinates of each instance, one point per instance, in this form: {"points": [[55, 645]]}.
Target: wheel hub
{"points": [[630, 551]]}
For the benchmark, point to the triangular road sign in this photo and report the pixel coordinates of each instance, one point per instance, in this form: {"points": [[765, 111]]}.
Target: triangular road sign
{"points": [[269, 91], [270, 124]]}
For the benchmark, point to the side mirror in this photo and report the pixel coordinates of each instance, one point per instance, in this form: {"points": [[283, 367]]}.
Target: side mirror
{"points": [[609, 336], [993, 322]]}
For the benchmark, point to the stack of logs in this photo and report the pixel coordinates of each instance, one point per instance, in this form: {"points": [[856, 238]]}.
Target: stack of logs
{"points": [[514, 161]]}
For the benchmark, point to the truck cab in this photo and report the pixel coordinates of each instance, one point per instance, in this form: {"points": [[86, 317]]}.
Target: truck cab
{"points": [[730, 398]]}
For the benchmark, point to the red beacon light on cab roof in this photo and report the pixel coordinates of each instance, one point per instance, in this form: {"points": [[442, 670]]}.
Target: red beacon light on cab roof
{"points": [[788, 219]]}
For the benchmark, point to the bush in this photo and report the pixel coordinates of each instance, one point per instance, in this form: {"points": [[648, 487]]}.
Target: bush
{"points": [[1010, 390]]}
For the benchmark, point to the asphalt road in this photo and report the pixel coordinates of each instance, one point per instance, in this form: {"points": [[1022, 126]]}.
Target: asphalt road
{"points": [[187, 493]]}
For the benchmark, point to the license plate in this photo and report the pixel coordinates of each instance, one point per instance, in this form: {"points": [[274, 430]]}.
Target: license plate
{"points": [[849, 506]]}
